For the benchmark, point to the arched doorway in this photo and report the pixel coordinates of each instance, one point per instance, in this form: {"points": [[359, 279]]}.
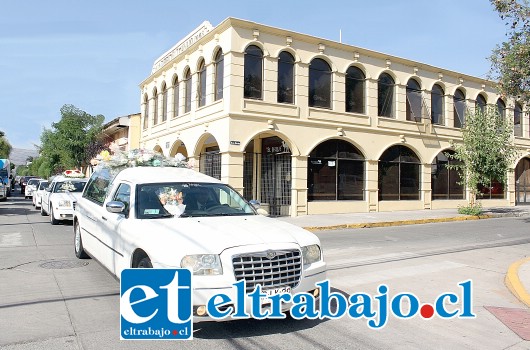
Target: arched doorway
{"points": [[399, 174], [522, 182], [210, 158], [267, 174]]}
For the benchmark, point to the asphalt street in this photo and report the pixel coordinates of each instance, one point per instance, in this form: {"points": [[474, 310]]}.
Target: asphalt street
{"points": [[51, 300]]}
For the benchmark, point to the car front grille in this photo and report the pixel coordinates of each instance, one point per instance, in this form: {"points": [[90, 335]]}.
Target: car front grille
{"points": [[270, 269]]}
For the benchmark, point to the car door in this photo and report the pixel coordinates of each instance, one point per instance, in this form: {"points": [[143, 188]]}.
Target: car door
{"points": [[89, 212], [111, 228], [45, 202]]}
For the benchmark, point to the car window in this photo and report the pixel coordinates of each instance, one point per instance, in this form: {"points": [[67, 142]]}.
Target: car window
{"points": [[123, 194], [70, 186], [96, 189], [43, 185], [199, 199]]}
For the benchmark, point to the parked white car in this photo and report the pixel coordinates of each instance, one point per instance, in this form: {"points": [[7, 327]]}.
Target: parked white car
{"points": [[136, 220], [37, 194], [59, 198], [31, 187]]}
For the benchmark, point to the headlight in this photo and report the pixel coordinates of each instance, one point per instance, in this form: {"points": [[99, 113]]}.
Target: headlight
{"points": [[311, 254], [203, 264], [64, 203]]}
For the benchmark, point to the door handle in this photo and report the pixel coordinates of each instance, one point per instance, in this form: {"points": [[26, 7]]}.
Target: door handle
{"points": [[104, 218]]}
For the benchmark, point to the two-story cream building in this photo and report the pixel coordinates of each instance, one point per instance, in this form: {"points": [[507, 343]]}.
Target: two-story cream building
{"points": [[308, 125]]}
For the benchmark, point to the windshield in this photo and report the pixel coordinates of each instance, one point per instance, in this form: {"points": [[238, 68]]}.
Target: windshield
{"points": [[43, 185], [182, 200], [70, 186], [33, 182]]}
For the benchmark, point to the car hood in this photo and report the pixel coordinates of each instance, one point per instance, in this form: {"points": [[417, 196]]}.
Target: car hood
{"points": [[73, 196], [214, 234]]}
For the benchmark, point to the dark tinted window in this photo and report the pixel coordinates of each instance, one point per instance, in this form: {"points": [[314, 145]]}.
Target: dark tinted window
{"points": [[335, 172], [354, 90], [399, 174], [219, 75], [123, 194], [69, 186], [413, 100], [459, 108], [187, 91], [164, 102], [155, 107], [445, 182], [286, 78], [480, 103], [146, 111], [517, 112], [437, 105], [253, 78], [319, 84], [385, 96], [501, 108], [201, 89], [176, 96]]}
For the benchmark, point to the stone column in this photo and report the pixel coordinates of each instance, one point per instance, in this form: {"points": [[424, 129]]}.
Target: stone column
{"points": [[372, 185]]}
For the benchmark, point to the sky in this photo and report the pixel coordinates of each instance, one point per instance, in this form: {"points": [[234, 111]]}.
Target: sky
{"points": [[94, 54]]}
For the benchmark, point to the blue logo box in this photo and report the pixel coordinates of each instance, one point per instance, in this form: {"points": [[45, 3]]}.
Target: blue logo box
{"points": [[156, 304]]}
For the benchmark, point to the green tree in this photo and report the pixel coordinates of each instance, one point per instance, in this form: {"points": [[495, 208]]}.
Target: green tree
{"points": [[5, 146], [65, 145], [486, 152], [511, 59]]}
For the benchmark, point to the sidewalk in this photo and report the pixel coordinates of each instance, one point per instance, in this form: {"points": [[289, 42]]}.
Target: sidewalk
{"points": [[517, 277]]}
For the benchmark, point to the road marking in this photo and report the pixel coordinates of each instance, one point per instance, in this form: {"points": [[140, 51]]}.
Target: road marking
{"points": [[11, 239]]}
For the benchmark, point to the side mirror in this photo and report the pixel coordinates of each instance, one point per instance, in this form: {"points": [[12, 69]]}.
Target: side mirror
{"points": [[115, 207], [257, 206]]}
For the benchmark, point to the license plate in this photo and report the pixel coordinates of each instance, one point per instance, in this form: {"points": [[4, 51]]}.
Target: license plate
{"points": [[275, 291]]}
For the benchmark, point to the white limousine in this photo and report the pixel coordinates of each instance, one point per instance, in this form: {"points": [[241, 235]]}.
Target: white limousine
{"points": [[168, 217]]}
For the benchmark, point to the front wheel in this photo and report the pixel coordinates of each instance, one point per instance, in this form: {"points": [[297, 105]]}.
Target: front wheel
{"points": [[53, 221], [144, 263], [78, 243]]}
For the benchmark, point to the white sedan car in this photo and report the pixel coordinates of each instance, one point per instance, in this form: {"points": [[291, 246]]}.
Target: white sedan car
{"points": [[59, 198], [136, 220], [31, 187], [37, 194]]}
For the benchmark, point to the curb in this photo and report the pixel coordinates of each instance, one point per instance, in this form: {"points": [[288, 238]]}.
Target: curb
{"points": [[514, 284], [403, 222]]}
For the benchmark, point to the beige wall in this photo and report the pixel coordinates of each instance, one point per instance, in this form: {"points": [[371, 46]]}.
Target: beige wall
{"points": [[241, 120]]}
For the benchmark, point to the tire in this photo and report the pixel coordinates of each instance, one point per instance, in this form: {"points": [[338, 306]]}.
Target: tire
{"points": [[53, 221], [144, 263], [78, 243], [42, 211]]}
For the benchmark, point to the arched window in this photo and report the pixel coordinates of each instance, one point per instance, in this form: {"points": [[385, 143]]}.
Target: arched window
{"points": [[517, 113], [285, 78], [201, 87], [385, 96], [187, 91], [335, 172], [146, 111], [501, 108], [176, 96], [354, 90], [437, 105], [319, 84], [155, 107], [444, 181], [459, 108], [253, 78], [399, 174], [219, 63], [480, 104], [164, 102], [413, 100]]}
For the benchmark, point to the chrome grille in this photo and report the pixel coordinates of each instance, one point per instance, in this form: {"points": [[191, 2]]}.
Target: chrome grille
{"points": [[270, 269]]}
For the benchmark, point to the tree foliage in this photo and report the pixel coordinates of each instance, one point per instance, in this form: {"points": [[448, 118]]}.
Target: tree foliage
{"points": [[511, 59], [5, 146], [69, 143], [486, 152]]}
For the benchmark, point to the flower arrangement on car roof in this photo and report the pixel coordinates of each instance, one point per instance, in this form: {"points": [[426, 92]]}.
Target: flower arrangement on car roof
{"points": [[73, 174], [117, 160]]}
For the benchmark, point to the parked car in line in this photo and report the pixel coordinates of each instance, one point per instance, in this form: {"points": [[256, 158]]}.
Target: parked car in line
{"points": [[59, 198], [24, 181], [37, 194], [166, 217], [31, 186]]}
